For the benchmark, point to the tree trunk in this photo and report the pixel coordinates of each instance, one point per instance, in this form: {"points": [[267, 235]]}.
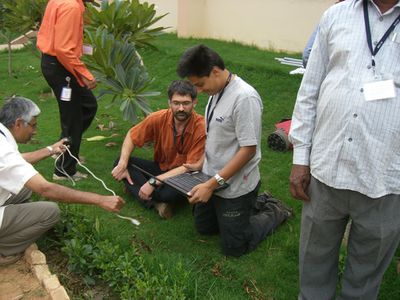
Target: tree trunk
{"points": [[9, 60]]}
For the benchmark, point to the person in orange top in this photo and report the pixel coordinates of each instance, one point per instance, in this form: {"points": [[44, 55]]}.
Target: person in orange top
{"points": [[60, 39], [178, 135]]}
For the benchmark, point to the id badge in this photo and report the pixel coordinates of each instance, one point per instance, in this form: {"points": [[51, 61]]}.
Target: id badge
{"points": [[380, 89], [87, 49], [66, 94]]}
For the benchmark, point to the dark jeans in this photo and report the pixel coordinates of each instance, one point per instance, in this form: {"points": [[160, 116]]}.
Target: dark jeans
{"points": [[75, 115], [241, 227], [163, 193]]}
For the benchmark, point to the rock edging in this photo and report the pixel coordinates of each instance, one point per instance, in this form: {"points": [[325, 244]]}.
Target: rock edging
{"points": [[37, 263]]}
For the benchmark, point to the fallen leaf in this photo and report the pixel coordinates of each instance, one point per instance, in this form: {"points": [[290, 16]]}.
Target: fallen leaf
{"points": [[111, 144], [100, 126], [216, 270], [96, 138]]}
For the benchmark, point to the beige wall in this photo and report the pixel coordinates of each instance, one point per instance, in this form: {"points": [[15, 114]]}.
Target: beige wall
{"points": [[271, 24], [163, 7]]}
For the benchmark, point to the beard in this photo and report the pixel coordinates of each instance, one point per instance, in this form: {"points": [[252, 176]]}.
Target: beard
{"points": [[182, 115]]}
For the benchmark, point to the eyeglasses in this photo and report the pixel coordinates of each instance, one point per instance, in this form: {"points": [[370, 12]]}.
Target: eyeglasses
{"points": [[33, 126], [184, 104]]}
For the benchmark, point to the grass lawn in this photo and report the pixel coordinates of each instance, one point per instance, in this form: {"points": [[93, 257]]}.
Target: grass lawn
{"points": [[271, 271]]}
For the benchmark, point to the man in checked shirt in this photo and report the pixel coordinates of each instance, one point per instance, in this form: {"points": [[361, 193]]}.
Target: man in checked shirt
{"points": [[346, 162]]}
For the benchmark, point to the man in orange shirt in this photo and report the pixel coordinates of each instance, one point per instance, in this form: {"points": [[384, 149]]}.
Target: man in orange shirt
{"points": [[178, 134], [60, 39]]}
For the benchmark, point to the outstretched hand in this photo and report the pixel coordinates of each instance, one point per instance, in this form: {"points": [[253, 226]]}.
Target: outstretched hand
{"points": [[59, 147], [299, 181], [111, 203]]}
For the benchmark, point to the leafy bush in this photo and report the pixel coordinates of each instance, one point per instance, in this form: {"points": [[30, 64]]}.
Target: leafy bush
{"points": [[124, 270], [117, 64], [116, 30], [126, 19], [24, 15]]}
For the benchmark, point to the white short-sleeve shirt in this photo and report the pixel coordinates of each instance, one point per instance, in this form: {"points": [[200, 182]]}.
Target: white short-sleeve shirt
{"points": [[14, 170]]}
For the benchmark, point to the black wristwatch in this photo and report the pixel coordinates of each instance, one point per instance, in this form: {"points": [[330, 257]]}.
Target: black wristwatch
{"points": [[153, 182]]}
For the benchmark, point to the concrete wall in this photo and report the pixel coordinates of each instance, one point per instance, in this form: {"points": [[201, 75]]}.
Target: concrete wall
{"points": [[271, 24]]}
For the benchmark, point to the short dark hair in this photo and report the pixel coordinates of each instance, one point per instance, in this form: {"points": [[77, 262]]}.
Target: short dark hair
{"points": [[183, 88], [17, 107], [199, 61]]}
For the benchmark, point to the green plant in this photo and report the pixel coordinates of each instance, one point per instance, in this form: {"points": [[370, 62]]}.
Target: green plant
{"points": [[126, 19], [25, 15], [124, 270], [6, 33], [118, 66], [18, 17]]}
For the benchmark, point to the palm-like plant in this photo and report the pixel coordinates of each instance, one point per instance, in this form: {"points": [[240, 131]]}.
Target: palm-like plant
{"points": [[126, 19], [25, 15], [118, 66]]}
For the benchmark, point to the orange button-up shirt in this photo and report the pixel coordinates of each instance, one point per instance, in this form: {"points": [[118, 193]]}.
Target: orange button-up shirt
{"points": [[61, 35], [170, 152]]}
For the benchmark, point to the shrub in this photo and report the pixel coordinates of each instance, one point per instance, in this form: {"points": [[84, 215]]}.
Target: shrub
{"points": [[124, 270], [118, 66], [126, 19]]}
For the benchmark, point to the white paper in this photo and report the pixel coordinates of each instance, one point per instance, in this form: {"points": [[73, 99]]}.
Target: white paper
{"points": [[87, 49], [66, 94], [377, 90]]}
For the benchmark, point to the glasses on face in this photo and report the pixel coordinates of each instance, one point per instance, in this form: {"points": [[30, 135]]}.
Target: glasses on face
{"points": [[183, 103], [33, 126]]}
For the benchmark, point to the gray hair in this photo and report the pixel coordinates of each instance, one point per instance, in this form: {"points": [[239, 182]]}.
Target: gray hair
{"points": [[18, 107]]}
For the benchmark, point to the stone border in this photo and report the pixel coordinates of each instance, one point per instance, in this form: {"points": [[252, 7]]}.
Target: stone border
{"points": [[37, 263]]}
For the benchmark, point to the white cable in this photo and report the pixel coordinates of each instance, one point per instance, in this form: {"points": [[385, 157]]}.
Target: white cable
{"points": [[133, 221]]}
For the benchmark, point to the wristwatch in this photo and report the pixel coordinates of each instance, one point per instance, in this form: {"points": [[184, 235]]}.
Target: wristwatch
{"points": [[152, 181], [219, 179], [50, 148]]}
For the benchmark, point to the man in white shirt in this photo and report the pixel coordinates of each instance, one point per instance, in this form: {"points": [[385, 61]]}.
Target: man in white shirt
{"points": [[21, 222], [346, 162]]}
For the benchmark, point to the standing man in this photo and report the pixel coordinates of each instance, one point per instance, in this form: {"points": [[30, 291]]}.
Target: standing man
{"points": [[233, 126], [60, 39], [178, 135], [23, 222], [346, 163]]}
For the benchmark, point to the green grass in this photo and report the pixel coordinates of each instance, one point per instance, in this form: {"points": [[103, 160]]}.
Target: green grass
{"points": [[271, 271]]}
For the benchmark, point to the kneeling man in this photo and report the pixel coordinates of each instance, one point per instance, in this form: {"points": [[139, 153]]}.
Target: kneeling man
{"points": [[178, 135]]}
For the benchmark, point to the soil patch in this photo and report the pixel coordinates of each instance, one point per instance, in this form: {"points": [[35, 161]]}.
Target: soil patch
{"points": [[18, 282], [74, 283]]}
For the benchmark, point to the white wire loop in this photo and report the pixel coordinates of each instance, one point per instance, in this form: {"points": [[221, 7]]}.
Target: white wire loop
{"points": [[62, 171]]}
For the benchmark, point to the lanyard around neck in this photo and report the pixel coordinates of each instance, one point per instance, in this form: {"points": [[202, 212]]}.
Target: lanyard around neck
{"points": [[379, 45], [175, 132], [211, 113]]}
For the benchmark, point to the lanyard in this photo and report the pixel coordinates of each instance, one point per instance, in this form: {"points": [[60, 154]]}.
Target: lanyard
{"points": [[175, 132], [378, 46], [210, 114]]}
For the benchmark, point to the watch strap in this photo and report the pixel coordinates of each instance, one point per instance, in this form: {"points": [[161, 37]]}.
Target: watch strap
{"points": [[219, 179]]}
